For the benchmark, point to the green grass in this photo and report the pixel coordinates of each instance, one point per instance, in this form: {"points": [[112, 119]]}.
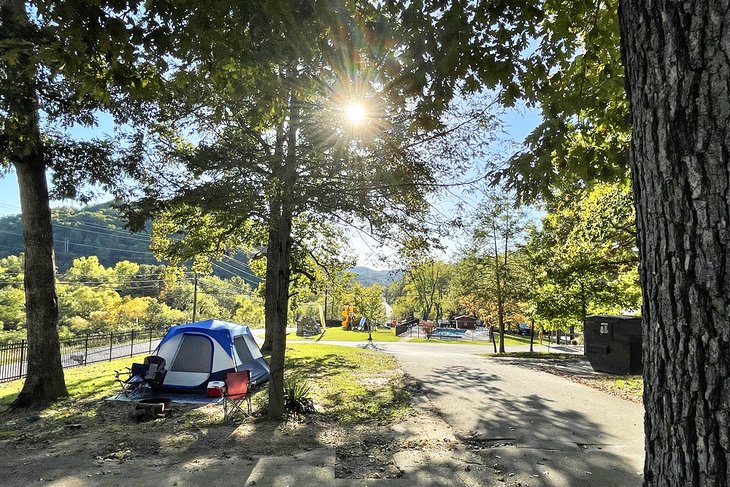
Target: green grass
{"points": [[350, 384], [337, 334], [628, 386], [516, 340], [88, 383]]}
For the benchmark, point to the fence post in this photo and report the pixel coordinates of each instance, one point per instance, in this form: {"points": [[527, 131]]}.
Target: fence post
{"points": [[86, 349], [149, 348], [22, 357], [111, 344], [131, 347]]}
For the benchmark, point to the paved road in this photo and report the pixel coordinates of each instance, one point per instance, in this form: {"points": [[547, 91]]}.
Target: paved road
{"points": [[541, 428], [533, 421]]}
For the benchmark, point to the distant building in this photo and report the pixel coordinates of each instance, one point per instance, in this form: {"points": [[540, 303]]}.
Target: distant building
{"points": [[465, 322]]}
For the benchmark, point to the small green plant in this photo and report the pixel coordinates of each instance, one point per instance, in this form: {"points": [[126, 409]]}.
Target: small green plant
{"points": [[296, 396]]}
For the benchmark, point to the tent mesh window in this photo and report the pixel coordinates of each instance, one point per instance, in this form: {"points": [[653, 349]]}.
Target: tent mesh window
{"points": [[194, 355], [253, 347], [244, 353]]}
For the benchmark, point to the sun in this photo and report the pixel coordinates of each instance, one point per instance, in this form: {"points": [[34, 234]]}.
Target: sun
{"points": [[355, 113]]}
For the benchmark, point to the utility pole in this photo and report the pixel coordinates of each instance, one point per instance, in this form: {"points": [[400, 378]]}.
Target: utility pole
{"points": [[195, 298]]}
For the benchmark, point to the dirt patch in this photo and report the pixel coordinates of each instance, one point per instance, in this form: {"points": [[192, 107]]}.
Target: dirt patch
{"points": [[112, 443], [371, 458], [107, 446], [375, 383]]}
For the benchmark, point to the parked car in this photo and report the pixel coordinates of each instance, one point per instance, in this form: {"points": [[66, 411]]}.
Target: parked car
{"points": [[523, 329]]}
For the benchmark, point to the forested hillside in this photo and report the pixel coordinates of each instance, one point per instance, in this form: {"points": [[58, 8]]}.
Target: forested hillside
{"points": [[99, 231], [367, 276], [127, 296]]}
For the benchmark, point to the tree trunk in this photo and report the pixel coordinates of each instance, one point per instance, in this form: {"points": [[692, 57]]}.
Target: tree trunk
{"points": [[268, 333], [677, 78], [532, 333], [500, 293], [276, 304], [44, 380], [278, 263]]}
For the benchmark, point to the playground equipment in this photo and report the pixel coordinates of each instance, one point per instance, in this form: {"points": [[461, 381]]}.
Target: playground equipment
{"points": [[348, 313]]}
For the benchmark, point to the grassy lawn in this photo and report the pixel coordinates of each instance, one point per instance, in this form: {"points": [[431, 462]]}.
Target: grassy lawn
{"points": [[337, 334], [347, 384], [85, 384], [516, 340], [351, 384]]}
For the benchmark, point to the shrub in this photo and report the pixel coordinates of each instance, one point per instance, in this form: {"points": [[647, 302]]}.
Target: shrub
{"points": [[296, 397], [427, 327]]}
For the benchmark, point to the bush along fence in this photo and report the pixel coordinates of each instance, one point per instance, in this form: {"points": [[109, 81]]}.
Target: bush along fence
{"points": [[82, 350]]}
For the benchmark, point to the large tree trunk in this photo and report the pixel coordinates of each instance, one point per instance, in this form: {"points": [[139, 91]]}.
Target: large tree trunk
{"points": [[268, 331], [277, 303], [44, 381], [677, 76], [278, 263]]}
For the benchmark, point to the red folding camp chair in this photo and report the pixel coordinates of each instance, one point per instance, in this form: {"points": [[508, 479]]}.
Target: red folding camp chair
{"points": [[235, 393]]}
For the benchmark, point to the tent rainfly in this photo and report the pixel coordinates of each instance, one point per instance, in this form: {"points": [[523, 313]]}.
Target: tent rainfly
{"points": [[197, 353]]}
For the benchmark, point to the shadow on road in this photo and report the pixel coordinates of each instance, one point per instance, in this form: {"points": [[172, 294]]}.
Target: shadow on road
{"points": [[532, 434]]}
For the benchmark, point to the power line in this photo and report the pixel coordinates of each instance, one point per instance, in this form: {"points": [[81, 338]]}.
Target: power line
{"points": [[126, 237], [228, 267], [107, 232], [110, 248]]}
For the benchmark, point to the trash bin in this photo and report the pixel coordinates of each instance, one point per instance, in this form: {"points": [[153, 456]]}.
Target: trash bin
{"points": [[613, 344]]}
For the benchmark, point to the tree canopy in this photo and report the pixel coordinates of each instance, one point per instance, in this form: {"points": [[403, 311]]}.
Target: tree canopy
{"points": [[265, 94]]}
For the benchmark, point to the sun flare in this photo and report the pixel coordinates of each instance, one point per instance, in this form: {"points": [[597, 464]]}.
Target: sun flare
{"points": [[356, 113]]}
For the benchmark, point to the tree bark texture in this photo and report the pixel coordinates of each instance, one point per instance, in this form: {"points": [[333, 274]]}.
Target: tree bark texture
{"points": [[268, 335], [678, 81], [44, 381], [278, 263], [278, 276]]}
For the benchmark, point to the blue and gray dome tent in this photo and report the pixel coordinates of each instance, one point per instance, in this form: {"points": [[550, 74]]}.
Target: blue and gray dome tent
{"points": [[197, 353]]}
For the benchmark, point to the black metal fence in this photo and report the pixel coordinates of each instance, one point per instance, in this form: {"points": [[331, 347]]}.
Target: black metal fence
{"points": [[82, 350]]}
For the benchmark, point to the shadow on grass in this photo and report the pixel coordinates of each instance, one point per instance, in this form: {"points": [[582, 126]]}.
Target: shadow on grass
{"points": [[353, 386], [85, 435], [320, 366]]}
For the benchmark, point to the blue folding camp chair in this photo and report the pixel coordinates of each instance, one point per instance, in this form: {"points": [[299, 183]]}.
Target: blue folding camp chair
{"points": [[140, 379]]}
